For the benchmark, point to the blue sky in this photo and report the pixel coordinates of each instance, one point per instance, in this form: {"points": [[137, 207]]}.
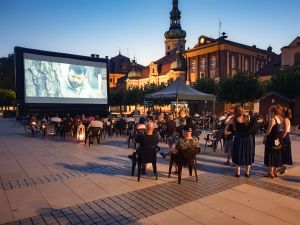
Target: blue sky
{"points": [[136, 27]]}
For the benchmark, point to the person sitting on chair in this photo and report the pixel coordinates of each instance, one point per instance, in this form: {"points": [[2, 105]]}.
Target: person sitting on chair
{"points": [[145, 140], [187, 143], [96, 123]]}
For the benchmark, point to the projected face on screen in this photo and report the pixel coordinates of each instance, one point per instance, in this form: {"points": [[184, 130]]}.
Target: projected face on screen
{"points": [[62, 80]]}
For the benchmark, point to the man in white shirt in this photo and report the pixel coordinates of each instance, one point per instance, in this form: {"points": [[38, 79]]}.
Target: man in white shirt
{"points": [[96, 123]]}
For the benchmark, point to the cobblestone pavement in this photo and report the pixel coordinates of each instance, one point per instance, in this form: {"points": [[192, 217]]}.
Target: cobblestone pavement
{"points": [[141, 204]]}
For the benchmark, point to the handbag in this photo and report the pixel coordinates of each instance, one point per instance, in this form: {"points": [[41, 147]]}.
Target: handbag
{"points": [[278, 146]]}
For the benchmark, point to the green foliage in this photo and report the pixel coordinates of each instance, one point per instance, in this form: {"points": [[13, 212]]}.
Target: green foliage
{"points": [[239, 89], [7, 97], [287, 82], [133, 96], [7, 72], [265, 86], [206, 85], [116, 97]]}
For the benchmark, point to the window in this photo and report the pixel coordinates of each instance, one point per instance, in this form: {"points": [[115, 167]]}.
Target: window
{"points": [[123, 66], [193, 66], [233, 62], [213, 62], [246, 64], [297, 59], [152, 70], [257, 65], [202, 65]]}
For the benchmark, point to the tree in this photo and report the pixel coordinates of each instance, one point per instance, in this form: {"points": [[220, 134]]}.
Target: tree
{"points": [[116, 98], [133, 96], [7, 97], [206, 85], [7, 72], [287, 82], [240, 89]]}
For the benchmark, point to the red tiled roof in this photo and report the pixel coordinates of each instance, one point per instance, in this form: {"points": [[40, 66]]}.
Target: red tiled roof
{"points": [[164, 68], [145, 72], [166, 59]]}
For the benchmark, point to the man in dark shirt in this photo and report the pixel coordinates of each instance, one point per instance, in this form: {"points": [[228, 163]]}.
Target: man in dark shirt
{"points": [[171, 126], [170, 131], [179, 129]]}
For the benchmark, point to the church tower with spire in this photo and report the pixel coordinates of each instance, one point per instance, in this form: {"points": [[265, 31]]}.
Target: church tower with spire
{"points": [[175, 36]]}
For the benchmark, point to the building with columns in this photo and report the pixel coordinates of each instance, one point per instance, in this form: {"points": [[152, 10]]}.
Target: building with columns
{"points": [[221, 58]]}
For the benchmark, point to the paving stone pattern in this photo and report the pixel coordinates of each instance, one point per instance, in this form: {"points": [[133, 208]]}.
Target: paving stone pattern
{"points": [[19, 183], [133, 206]]}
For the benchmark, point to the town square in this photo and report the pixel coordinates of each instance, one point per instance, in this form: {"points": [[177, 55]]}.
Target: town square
{"points": [[149, 112]]}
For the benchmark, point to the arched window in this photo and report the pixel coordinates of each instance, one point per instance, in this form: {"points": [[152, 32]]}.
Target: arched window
{"points": [[297, 59]]}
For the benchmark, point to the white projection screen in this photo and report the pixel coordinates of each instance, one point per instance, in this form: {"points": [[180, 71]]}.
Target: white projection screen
{"points": [[59, 80]]}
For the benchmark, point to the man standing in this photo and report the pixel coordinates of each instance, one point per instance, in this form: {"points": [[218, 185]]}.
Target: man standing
{"points": [[75, 85]]}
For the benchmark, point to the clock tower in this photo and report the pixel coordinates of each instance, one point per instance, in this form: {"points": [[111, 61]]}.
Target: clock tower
{"points": [[175, 36]]}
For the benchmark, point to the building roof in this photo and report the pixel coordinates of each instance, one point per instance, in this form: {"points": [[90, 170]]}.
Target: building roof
{"points": [[270, 68], [166, 59], [122, 64], [277, 94], [223, 40], [295, 42]]}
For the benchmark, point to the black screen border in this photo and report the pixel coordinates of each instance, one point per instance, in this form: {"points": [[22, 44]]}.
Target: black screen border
{"points": [[23, 107]]}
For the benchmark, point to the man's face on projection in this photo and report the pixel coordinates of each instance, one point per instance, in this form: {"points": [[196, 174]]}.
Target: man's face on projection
{"points": [[75, 79]]}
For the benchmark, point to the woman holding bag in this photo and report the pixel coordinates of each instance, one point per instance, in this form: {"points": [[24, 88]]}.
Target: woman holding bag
{"points": [[286, 141], [273, 153]]}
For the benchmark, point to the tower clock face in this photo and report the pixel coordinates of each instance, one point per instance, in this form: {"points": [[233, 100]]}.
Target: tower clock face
{"points": [[202, 40]]}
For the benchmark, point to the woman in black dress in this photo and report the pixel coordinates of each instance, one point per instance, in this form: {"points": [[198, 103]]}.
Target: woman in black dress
{"points": [[287, 151], [273, 156], [242, 152]]}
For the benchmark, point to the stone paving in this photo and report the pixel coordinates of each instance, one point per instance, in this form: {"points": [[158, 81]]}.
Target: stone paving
{"points": [[48, 181]]}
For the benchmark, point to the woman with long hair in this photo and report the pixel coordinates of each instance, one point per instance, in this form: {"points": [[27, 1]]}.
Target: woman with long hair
{"points": [[286, 141], [273, 155], [242, 152]]}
